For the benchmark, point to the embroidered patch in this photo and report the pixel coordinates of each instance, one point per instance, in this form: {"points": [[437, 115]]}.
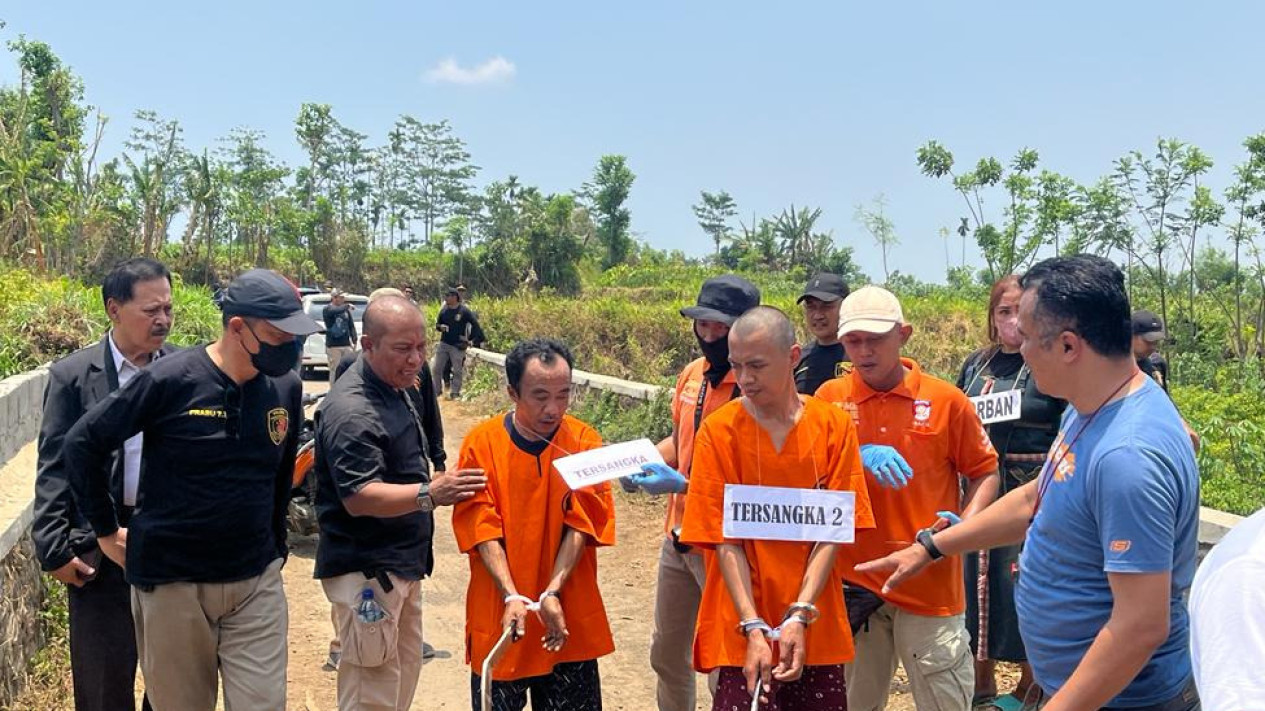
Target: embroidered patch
{"points": [[1121, 546], [922, 412], [278, 424]]}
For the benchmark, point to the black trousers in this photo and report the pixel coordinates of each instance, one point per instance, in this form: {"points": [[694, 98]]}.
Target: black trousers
{"points": [[572, 686], [103, 642]]}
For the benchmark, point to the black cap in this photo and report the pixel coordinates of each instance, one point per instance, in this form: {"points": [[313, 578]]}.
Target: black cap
{"points": [[265, 294], [826, 287], [1149, 326], [724, 299]]}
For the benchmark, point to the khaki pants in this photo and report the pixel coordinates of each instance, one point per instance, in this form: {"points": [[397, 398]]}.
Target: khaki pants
{"points": [[335, 354], [187, 634], [935, 651], [444, 355], [382, 662], [677, 595]]}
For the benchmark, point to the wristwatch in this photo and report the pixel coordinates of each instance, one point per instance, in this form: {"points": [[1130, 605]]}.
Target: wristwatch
{"points": [[425, 503], [924, 538]]}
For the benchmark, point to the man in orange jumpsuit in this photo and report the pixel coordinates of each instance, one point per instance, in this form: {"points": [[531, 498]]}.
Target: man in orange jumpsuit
{"points": [[919, 436], [772, 437], [532, 540], [703, 386]]}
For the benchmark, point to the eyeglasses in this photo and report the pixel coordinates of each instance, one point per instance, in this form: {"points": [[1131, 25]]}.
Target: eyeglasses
{"points": [[232, 411]]}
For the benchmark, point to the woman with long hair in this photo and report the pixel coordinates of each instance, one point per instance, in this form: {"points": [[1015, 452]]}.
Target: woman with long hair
{"points": [[1021, 443]]}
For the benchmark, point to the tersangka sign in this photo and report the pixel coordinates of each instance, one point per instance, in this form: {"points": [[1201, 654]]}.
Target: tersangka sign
{"points": [[606, 463], [998, 407], [775, 513]]}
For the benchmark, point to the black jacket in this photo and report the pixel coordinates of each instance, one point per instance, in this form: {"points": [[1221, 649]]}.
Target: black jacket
{"points": [[75, 384]]}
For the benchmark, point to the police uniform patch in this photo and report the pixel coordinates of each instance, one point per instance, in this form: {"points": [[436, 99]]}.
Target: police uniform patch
{"points": [[922, 412], [278, 424]]}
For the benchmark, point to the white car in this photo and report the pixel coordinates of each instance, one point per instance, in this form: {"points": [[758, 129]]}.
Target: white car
{"points": [[314, 355]]}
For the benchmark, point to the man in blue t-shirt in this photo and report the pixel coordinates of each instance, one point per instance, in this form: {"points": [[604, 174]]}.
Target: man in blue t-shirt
{"points": [[1110, 524]]}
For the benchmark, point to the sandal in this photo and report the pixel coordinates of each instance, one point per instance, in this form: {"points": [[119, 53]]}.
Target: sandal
{"points": [[1005, 702]]}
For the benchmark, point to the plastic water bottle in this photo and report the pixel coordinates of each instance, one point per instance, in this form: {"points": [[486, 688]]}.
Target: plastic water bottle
{"points": [[369, 610]]}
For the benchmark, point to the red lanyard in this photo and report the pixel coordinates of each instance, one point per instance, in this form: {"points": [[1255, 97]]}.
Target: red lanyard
{"points": [[1047, 473]]}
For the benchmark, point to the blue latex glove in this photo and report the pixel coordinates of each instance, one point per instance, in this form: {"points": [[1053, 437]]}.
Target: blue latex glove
{"points": [[659, 479], [887, 466], [950, 518]]}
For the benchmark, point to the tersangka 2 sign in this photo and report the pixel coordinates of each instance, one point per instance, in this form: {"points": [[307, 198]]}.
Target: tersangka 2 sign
{"points": [[606, 463], [775, 513]]}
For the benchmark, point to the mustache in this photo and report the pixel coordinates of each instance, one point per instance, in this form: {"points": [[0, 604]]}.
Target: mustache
{"points": [[160, 332]]}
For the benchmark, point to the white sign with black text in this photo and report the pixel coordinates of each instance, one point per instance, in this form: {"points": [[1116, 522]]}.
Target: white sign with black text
{"points": [[775, 513], [607, 463], [998, 407]]}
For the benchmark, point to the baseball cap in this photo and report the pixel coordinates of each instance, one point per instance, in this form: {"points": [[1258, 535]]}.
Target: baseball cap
{"points": [[824, 286], [870, 309], [724, 299], [265, 294], [1149, 326]]}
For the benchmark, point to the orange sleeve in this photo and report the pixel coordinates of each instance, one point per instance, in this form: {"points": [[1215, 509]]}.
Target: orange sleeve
{"points": [[849, 474], [705, 500], [591, 510], [972, 452], [477, 519], [676, 396]]}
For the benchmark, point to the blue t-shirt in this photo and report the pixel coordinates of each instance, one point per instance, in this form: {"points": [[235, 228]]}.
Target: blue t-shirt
{"points": [[1125, 499]]}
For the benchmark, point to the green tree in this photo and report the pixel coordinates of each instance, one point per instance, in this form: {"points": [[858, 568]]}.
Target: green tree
{"points": [[1028, 222], [612, 181], [875, 221], [714, 211], [437, 170], [156, 166], [1156, 185]]}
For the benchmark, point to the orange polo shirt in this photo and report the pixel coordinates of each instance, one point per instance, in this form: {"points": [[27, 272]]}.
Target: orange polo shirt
{"points": [[684, 407], [820, 451], [527, 504], [934, 427]]}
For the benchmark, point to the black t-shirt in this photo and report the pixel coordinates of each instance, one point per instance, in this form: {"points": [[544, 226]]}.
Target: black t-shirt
{"points": [[1035, 430], [426, 400], [336, 335], [462, 326], [367, 433], [817, 364], [1156, 368], [218, 458]]}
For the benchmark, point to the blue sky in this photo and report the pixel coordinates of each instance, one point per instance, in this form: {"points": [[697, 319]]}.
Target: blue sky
{"points": [[819, 104]]}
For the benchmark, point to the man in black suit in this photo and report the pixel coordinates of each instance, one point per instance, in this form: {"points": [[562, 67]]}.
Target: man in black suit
{"points": [[137, 296]]}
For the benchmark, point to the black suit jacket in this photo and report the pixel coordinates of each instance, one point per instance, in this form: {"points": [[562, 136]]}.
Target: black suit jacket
{"points": [[75, 384]]}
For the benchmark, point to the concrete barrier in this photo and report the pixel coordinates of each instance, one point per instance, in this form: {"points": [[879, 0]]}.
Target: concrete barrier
{"points": [[22, 592]]}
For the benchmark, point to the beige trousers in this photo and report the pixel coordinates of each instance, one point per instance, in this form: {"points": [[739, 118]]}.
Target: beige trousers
{"points": [[189, 636], [935, 651], [677, 595], [382, 661], [335, 354]]}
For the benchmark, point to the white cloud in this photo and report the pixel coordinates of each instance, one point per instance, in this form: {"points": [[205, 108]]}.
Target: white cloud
{"points": [[494, 71]]}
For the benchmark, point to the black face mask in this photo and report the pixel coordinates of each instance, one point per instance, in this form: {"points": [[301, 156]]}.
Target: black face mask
{"points": [[717, 355], [273, 361]]}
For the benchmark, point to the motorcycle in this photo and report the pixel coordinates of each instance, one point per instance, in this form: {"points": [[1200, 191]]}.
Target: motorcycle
{"points": [[301, 514]]}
